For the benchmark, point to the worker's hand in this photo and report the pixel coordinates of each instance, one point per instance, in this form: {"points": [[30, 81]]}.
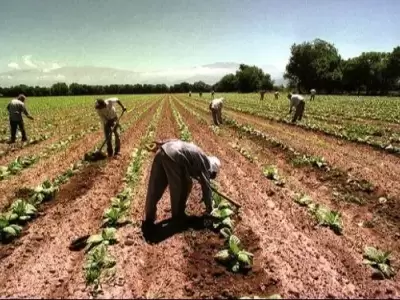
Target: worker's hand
{"points": [[30, 117], [124, 108]]}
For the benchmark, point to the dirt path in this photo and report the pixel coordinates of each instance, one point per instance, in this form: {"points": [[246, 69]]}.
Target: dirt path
{"points": [[299, 265], [49, 167], [377, 167], [42, 264], [143, 269]]}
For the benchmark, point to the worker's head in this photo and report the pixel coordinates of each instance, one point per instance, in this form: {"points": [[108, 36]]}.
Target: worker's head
{"points": [[289, 96], [215, 164], [21, 97], [100, 103]]}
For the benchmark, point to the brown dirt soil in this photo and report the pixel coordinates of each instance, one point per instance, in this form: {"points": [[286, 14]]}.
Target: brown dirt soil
{"points": [[323, 184], [41, 263], [362, 161], [273, 216], [48, 167]]}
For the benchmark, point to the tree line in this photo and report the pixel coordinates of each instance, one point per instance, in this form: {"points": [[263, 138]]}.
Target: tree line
{"points": [[312, 65], [247, 79], [318, 64]]}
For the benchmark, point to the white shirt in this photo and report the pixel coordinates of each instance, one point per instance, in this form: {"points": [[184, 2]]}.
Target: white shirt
{"points": [[217, 103], [295, 100], [109, 112], [313, 92]]}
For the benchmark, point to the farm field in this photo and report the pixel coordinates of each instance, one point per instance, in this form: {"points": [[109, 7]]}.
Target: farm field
{"points": [[317, 199]]}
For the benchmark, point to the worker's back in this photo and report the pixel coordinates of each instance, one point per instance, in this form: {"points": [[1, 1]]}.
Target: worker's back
{"points": [[216, 103], [188, 155]]}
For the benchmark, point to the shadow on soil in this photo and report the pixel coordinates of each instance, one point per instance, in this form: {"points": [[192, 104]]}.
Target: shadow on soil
{"points": [[168, 228]]}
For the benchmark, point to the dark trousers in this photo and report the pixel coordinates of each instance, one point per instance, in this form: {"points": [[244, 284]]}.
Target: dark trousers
{"points": [[217, 116], [14, 125], [108, 132], [312, 97], [298, 115], [165, 172]]}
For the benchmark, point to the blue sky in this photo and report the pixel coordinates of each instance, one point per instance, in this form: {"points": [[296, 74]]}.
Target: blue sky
{"points": [[171, 34]]}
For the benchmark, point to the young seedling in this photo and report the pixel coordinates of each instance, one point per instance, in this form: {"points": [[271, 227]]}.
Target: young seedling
{"points": [[326, 217], [97, 261], [21, 211], [107, 237], [303, 200], [271, 172], [234, 256], [44, 192], [379, 261], [8, 231]]}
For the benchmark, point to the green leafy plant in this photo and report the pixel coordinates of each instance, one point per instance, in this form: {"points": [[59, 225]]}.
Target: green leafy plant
{"points": [[271, 172], [303, 200], [97, 261], [234, 256], [21, 211], [107, 237], [326, 217], [379, 261], [8, 231], [44, 192]]}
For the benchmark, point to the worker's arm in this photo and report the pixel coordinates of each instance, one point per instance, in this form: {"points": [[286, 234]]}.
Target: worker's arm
{"points": [[122, 106], [210, 106], [26, 113], [290, 108], [206, 190]]}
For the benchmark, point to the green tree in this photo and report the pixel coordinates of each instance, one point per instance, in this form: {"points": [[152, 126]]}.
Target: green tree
{"points": [[251, 79], [228, 83], [314, 64], [59, 89]]}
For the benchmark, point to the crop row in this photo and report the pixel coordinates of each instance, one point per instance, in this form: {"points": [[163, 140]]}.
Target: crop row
{"points": [[377, 137], [233, 256], [98, 258], [377, 259], [23, 210]]}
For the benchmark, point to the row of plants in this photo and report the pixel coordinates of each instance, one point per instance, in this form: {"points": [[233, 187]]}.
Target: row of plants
{"points": [[233, 256], [23, 210], [379, 137], [184, 133], [99, 262], [360, 133], [377, 259], [296, 158], [20, 163]]}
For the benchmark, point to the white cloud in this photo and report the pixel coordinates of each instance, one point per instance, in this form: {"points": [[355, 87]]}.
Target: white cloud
{"points": [[27, 59], [60, 76], [14, 65]]}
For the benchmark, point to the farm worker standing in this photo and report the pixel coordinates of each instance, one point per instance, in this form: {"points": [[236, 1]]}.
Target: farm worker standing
{"points": [[108, 116], [212, 94], [262, 93], [216, 110], [200, 94], [16, 108], [190, 94], [276, 95], [175, 164], [313, 92], [296, 101]]}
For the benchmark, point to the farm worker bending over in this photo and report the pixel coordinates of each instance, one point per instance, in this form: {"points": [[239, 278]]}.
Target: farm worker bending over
{"points": [[276, 95], [108, 116], [16, 108], [216, 110], [175, 164], [296, 101], [313, 92]]}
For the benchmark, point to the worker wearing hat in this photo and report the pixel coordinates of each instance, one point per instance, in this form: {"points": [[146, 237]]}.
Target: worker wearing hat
{"points": [[175, 164]]}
